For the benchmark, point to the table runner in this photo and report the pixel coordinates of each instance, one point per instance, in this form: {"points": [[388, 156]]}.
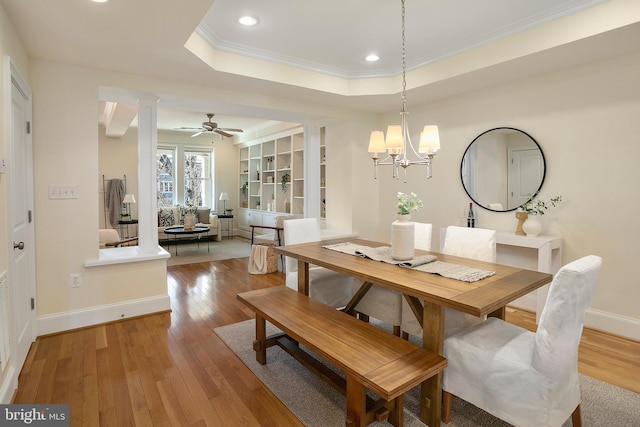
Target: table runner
{"points": [[424, 263]]}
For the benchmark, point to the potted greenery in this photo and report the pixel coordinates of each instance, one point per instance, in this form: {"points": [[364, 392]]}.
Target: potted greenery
{"points": [[529, 224], [284, 180], [536, 206]]}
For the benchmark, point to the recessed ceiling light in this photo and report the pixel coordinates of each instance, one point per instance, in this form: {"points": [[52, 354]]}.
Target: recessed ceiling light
{"points": [[372, 57], [99, 1], [248, 20]]}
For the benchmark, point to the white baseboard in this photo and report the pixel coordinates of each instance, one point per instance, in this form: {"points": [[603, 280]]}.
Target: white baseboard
{"points": [[624, 326], [9, 385], [96, 315], [527, 302], [627, 327]]}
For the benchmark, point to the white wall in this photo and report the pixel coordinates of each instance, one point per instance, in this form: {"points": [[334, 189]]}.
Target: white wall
{"points": [[586, 121]]}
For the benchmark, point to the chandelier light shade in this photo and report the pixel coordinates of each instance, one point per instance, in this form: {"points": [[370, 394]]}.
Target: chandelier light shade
{"points": [[376, 143], [397, 144]]}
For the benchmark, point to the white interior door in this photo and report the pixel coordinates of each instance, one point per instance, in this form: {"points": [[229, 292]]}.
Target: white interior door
{"points": [[526, 170], [22, 273]]}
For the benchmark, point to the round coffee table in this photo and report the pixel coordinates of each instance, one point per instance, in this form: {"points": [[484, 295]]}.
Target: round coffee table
{"points": [[177, 232]]}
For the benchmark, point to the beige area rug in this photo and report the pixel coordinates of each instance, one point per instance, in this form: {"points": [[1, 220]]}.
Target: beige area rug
{"points": [[189, 253], [317, 404]]}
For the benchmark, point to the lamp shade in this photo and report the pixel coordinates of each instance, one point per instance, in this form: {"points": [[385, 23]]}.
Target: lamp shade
{"points": [[224, 196], [376, 143], [128, 198], [429, 140], [394, 142]]}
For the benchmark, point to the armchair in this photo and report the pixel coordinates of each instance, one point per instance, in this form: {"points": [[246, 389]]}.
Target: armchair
{"points": [[109, 238]]}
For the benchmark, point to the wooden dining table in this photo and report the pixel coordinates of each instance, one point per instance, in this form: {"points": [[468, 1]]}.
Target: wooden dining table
{"points": [[430, 293]]}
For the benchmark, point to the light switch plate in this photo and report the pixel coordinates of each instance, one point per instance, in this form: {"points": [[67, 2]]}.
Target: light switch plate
{"points": [[63, 192]]}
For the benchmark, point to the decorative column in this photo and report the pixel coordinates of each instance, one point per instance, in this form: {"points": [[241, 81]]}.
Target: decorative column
{"points": [[147, 147]]}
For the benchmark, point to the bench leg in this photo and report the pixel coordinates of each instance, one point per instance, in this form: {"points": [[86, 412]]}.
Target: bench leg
{"points": [[447, 398], [260, 344], [396, 416], [356, 403]]}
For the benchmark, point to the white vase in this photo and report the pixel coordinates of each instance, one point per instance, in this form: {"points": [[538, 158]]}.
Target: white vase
{"points": [[532, 226], [189, 221], [402, 238]]}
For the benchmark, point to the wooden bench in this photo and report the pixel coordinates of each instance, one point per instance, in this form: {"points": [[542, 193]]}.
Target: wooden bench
{"points": [[369, 357]]}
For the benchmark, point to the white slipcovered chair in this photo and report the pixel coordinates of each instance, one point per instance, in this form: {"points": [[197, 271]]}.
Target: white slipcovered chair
{"points": [[326, 286], [475, 243], [522, 377], [384, 304]]}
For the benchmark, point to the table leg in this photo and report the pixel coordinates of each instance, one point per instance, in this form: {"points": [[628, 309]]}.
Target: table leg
{"points": [[499, 313], [433, 340], [260, 345], [357, 297], [303, 277]]}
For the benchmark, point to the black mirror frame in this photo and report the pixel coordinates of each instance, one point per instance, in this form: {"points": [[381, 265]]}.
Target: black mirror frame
{"points": [[544, 164]]}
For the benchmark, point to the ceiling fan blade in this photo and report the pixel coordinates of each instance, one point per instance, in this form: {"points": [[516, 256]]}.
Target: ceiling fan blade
{"points": [[186, 128], [231, 130], [197, 133], [223, 133]]}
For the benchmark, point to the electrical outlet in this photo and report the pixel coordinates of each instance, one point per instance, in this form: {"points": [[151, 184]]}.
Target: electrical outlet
{"points": [[75, 280]]}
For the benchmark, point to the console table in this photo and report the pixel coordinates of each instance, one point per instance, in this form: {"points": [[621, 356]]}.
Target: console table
{"points": [[540, 253]]}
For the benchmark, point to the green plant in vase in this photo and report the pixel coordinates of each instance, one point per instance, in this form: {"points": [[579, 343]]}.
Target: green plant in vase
{"points": [[407, 203], [283, 181], [536, 206]]}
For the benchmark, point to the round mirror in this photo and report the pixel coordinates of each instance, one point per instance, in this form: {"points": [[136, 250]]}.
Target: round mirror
{"points": [[502, 168]]}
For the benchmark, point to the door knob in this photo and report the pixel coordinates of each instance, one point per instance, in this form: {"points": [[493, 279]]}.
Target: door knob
{"points": [[18, 245]]}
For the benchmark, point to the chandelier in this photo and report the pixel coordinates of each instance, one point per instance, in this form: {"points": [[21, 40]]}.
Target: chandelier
{"points": [[397, 144]]}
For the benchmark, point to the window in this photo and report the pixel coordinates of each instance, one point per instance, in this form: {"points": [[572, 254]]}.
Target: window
{"points": [[189, 182], [165, 177], [197, 178]]}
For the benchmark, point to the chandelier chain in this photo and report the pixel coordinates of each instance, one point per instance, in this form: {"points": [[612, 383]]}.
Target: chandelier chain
{"points": [[404, 63], [397, 144]]}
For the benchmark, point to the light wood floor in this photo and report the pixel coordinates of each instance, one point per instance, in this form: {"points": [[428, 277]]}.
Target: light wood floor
{"points": [[170, 369]]}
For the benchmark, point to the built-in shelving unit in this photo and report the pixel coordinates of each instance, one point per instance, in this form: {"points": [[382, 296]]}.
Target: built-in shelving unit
{"points": [[272, 178]]}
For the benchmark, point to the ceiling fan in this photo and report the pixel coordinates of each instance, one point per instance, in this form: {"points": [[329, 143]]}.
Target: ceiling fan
{"points": [[210, 126]]}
